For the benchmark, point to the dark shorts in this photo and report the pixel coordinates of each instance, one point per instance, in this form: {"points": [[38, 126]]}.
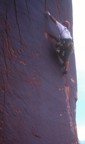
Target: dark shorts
{"points": [[67, 48]]}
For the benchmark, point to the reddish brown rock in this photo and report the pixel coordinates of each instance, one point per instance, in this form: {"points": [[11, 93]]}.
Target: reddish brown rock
{"points": [[37, 103]]}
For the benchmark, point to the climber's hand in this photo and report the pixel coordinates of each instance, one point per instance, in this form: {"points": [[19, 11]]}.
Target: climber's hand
{"points": [[48, 13]]}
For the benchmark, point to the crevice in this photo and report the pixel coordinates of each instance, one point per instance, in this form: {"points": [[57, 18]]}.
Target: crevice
{"points": [[59, 10], [2, 108], [26, 1], [8, 51], [15, 8], [22, 44], [45, 5], [72, 123]]}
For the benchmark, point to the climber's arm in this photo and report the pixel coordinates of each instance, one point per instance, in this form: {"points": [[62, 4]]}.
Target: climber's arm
{"points": [[51, 17]]}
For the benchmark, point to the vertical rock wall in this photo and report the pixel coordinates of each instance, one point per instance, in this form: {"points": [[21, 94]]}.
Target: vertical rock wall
{"points": [[37, 103]]}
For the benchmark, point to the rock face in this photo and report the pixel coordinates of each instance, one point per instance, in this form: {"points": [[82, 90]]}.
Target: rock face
{"points": [[37, 103]]}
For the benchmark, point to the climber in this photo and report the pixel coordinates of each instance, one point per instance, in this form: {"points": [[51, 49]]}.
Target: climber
{"points": [[65, 40]]}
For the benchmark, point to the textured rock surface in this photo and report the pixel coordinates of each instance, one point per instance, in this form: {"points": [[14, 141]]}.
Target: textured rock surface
{"points": [[37, 103]]}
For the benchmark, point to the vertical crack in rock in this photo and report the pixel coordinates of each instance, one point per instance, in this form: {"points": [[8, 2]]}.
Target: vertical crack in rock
{"points": [[18, 25], [9, 53], [6, 55], [2, 109], [6, 49], [21, 40], [72, 124], [75, 90], [45, 5], [26, 1], [58, 8]]}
